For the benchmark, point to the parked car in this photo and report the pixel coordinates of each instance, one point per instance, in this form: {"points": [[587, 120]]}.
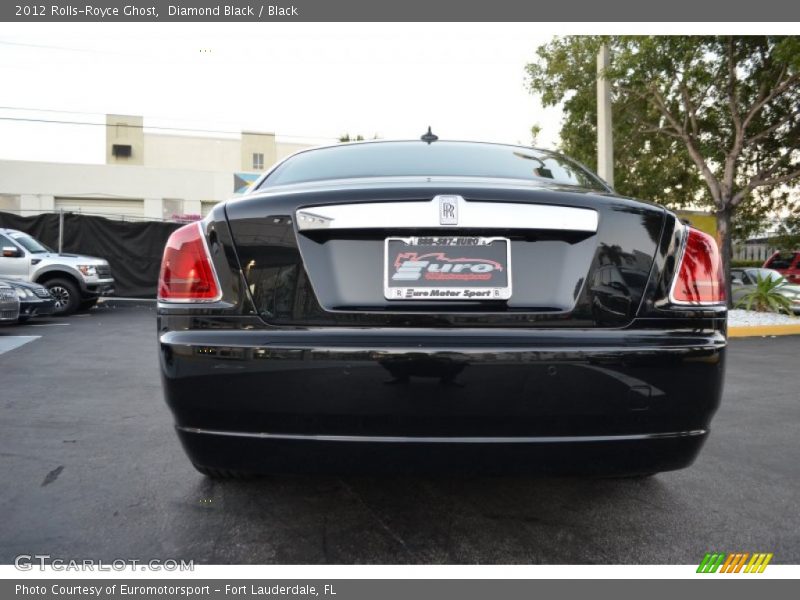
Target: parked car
{"points": [[430, 304], [34, 299], [75, 281], [9, 304], [785, 263], [745, 280]]}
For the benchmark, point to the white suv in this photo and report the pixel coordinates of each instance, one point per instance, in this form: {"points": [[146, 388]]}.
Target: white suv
{"points": [[76, 282]]}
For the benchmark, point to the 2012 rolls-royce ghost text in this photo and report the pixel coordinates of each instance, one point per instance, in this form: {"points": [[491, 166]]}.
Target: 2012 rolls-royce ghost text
{"points": [[433, 304]]}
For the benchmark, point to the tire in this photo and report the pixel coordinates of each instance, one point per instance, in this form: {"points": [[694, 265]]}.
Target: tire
{"points": [[67, 296], [214, 473], [87, 304]]}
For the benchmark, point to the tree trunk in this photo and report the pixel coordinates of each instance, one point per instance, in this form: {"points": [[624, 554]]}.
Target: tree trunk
{"points": [[724, 233]]}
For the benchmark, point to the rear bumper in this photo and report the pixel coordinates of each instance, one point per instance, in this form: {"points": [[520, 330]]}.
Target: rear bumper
{"points": [[562, 455], [566, 401]]}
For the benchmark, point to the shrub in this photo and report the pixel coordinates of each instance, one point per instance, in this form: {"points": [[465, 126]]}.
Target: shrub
{"points": [[743, 264], [765, 297]]}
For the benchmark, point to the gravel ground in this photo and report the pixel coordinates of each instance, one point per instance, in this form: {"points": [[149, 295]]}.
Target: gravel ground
{"points": [[744, 318]]}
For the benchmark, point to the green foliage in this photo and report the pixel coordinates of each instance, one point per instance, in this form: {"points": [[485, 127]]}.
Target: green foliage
{"points": [[756, 216], [765, 297], [743, 264], [705, 121], [788, 234], [536, 131], [348, 138], [356, 138]]}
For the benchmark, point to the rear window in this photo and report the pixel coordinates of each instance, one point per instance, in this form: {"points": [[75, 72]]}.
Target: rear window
{"points": [[782, 261], [418, 159]]}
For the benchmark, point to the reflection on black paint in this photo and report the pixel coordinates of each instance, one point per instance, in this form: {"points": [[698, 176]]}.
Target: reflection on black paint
{"points": [[559, 281], [403, 368], [618, 281]]}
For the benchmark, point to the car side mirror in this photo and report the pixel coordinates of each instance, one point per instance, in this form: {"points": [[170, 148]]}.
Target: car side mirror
{"points": [[11, 252]]}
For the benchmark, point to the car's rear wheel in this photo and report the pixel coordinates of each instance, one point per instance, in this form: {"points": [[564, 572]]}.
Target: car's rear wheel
{"points": [[66, 295]]}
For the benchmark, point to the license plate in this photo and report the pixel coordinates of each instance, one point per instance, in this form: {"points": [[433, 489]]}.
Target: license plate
{"points": [[447, 268]]}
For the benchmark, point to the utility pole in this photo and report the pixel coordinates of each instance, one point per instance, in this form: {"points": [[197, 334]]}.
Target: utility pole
{"points": [[60, 230], [605, 139]]}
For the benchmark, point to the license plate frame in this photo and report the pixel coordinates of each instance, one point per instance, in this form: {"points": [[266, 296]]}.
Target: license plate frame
{"points": [[406, 282]]}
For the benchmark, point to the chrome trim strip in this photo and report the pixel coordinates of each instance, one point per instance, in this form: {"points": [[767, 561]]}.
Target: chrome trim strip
{"points": [[447, 440], [426, 214]]}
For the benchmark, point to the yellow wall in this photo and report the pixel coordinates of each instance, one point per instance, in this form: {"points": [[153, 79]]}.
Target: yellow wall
{"points": [[706, 222]]}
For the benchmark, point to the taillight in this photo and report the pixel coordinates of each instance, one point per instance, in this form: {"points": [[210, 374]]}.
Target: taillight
{"points": [[700, 279], [187, 274]]}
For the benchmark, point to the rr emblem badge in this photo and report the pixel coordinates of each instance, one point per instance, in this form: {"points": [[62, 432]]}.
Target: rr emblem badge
{"points": [[448, 210]]}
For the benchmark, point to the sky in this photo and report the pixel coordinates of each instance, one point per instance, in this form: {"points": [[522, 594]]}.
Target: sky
{"points": [[306, 82]]}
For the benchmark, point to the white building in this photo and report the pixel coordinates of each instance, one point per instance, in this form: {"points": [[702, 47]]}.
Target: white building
{"points": [[145, 175]]}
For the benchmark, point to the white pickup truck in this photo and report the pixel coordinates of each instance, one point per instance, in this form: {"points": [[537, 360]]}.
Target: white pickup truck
{"points": [[76, 282]]}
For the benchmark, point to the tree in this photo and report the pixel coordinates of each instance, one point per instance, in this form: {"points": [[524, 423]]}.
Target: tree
{"points": [[536, 131], [787, 236], [710, 120], [348, 138], [355, 138]]}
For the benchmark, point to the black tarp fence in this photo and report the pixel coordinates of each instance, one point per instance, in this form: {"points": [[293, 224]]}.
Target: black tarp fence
{"points": [[133, 249]]}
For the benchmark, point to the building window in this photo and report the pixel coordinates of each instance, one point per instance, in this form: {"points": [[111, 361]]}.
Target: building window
{"points": [[258, 161]]}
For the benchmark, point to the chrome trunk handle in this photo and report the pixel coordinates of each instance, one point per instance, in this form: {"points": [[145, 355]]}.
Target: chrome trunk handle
{"points": [[447, 212]]}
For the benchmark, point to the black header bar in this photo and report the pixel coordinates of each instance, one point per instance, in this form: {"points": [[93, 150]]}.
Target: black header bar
{"points": [[779, 11]]}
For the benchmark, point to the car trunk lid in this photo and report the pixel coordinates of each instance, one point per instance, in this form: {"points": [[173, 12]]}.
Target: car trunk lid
{"points": [[394, 253]]}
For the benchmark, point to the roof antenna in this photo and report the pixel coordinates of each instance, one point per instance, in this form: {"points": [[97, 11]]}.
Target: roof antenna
{"points": [[430, 136]]}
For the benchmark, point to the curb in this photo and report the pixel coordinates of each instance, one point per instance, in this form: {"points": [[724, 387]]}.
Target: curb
{"points": [[763, 330]]}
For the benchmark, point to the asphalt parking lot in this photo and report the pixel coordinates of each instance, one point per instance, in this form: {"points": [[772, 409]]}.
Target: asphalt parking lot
{"points": [[91, 468]]}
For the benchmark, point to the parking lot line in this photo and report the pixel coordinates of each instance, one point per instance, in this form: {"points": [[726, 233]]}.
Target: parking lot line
{"points": [[49, 325], [11, 342]]}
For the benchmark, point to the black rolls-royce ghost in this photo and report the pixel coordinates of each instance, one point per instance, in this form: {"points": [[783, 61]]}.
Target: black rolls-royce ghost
{"points": [[456, 305]]}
